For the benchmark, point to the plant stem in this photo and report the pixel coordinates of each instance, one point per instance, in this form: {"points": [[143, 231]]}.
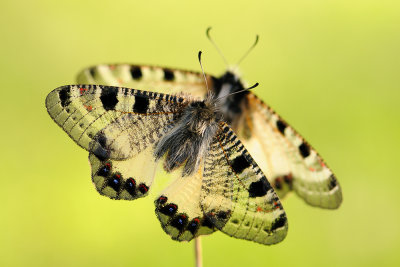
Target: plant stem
{"points": [[198, 252]]}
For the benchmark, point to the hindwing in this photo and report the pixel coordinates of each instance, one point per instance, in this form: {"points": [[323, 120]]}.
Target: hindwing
{"points": [[178, 208], [288, 160], [124, 179]]}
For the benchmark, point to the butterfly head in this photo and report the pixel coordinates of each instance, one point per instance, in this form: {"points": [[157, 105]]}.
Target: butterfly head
{"points": [[200, 115]]}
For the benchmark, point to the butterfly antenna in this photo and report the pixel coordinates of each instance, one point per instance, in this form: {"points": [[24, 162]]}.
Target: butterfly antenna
{"points": [[215, 45], [248, 51], [202, 70], [251, 87]]}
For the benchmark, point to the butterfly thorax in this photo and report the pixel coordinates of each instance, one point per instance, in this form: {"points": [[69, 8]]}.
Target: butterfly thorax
{"points": [[232, 106], [186, 144]]}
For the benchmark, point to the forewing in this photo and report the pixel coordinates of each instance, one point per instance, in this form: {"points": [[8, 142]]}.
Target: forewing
{"points": [[112, 122], [287, 159], [151, 78], [178, 209], [236, 195]]}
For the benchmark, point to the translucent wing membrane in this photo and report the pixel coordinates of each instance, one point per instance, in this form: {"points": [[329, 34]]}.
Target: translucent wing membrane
{"points": [[124, 179], [287, 159], [236, 196], [150, 78], [178, 209]]}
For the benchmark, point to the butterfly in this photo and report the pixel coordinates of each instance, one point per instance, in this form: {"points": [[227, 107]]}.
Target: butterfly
{"points": [[128, 131], [287, 159]]}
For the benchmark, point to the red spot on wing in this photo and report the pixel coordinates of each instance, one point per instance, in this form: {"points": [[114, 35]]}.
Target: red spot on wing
{"points": [[312, 169], [144, 188], [89, 108], [259, 209], [82, 90], [288, 178]]}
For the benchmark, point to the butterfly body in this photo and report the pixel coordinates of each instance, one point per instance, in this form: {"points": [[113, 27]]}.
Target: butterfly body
{"points": [[188, 141]]}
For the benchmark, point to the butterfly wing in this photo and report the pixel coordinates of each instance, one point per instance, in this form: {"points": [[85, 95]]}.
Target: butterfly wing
{"points": [[178, 209], [118, 126], [112, 122], [152, 78], [236, 196], [286, 158]]}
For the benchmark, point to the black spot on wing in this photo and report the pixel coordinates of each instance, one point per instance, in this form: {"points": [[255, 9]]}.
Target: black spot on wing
{"points": [[141, 104], [239, 164], [99, 146], [193, 225], [332, 182], [278, 183], [104, 170], [161, 200], [115, 182], [304, 150], [136, 73], [109, 97], [64, 95], [223, 215], [168, 75], [278, 223], [207, 222], [143, 188], [281, 126], [179, 222], [169, 209], [92, 71], [259, 188], [130, 186]]}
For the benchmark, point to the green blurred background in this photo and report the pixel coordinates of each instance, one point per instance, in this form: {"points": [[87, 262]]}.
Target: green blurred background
{"points": [[330, 68]]}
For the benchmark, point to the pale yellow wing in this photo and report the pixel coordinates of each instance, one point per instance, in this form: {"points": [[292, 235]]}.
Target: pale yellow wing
{"points": [[286, 158], [236, 195], [150, 78]]}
